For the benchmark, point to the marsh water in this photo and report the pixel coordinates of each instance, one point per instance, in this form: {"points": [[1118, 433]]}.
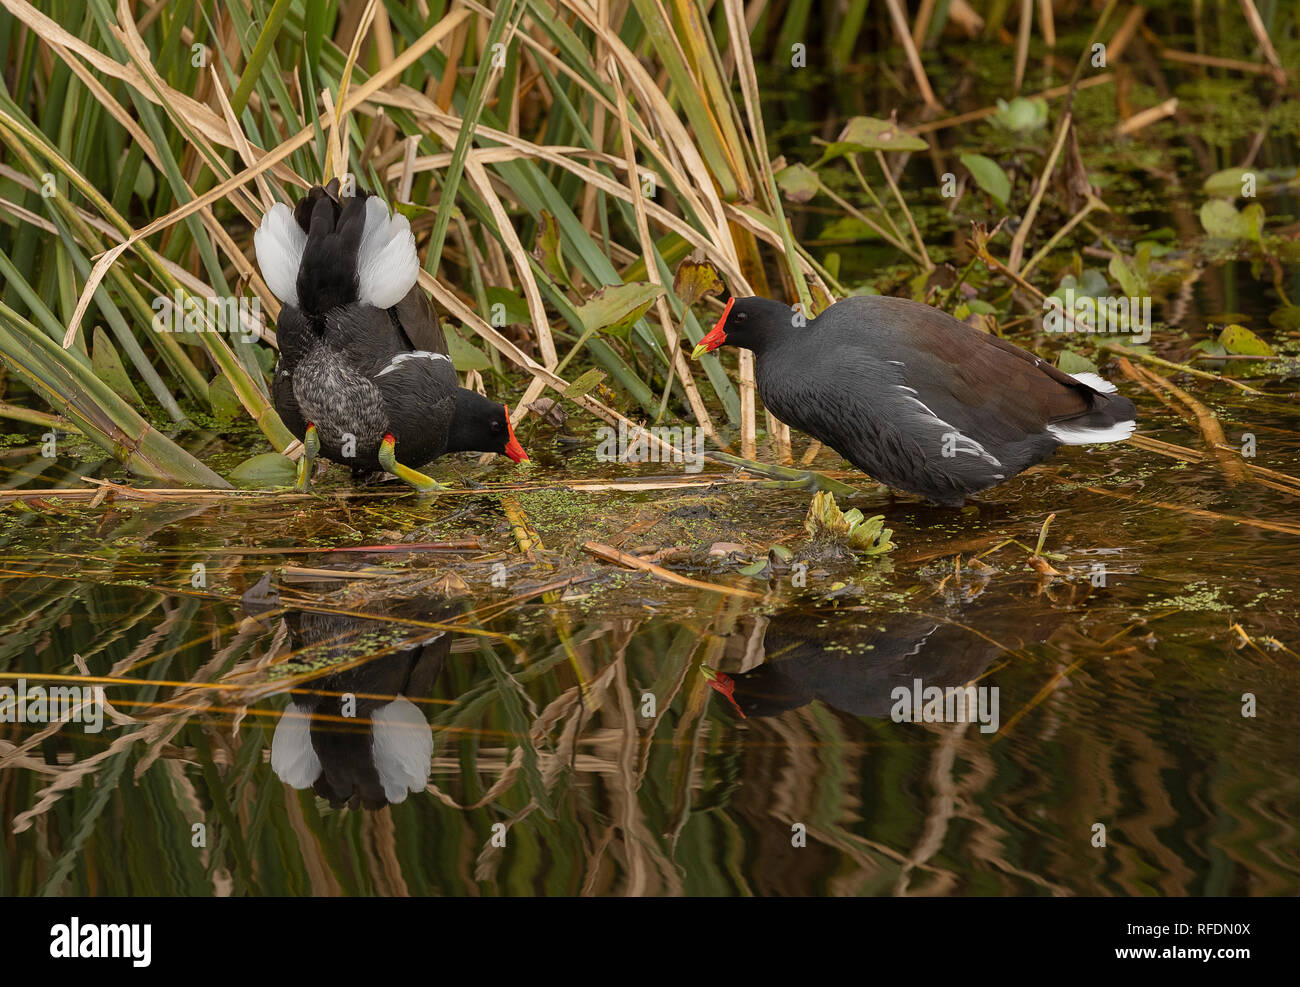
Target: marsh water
{"points": [[581, 720], [275, 691]]}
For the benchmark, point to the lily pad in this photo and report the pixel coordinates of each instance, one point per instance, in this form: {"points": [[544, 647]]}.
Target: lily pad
{"points": [[1225, 184], [874, 134], [1092, 284], [1221, 219], [1240, 341], [584, 383], [1021, 114]]}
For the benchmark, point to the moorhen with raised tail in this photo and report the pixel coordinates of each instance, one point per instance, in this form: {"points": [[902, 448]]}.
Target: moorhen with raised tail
{"points": [[363, 374], [916, 399]]}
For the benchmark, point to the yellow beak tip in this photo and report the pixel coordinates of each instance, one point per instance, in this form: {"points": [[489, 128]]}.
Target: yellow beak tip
{"points": [[699, 351]]}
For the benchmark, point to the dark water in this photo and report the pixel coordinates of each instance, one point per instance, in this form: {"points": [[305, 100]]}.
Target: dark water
{"points": [[581, 723]]}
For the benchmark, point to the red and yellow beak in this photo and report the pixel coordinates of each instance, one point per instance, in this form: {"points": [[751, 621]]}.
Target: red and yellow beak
{"points": [[513, 449], [716, 336]]}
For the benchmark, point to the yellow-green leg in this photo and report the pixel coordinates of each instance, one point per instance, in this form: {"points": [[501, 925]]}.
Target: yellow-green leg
{"points": [[784, 477], [423, 484], [310, 450]]}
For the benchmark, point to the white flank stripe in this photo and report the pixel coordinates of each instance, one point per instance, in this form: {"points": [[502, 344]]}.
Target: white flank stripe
{"points": [[973, 448], [279, 243], [415, 355], [387, 264], [1095, 382], [1075, 435]]}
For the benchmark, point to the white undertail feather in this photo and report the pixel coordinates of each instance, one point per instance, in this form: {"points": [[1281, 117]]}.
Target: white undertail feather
{"points": [[279, 244], [403, 748], [1095, 382], [293, 758], [1081, 435], [1078, 435], [387, 264]]}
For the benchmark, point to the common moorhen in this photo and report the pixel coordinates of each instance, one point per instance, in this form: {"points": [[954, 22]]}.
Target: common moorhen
{"points": [[854, 660], [363, 368], [356, 736], [915, 398]]}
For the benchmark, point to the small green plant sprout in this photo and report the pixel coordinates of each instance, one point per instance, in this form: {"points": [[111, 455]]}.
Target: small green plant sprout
{"points": [[831, 528]]}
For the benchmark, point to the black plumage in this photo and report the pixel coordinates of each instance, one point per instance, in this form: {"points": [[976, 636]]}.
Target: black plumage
{"points": [[854, 661], [362, 355], [356, 736], [915, 398]]}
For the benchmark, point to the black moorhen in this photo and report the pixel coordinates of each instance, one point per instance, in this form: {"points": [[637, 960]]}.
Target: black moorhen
{"points": [[853, 661], [915, 398], [356, 736], [363, 368]]}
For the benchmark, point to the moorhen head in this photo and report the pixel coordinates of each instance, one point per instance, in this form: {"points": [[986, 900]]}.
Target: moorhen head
{"points": [[915, 398], [364, 370]]}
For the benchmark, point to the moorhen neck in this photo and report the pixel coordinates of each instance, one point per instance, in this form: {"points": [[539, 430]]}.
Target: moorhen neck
{"points": [[915, 398], [363, 368]]}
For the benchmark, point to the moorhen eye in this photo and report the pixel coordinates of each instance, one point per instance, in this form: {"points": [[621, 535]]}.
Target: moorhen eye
{"points": [[915, 398], [346, 270]]}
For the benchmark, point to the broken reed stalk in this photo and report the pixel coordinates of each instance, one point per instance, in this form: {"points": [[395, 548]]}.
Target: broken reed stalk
{"points": [[181, 495], [610, 554], [1031, 213], [1279, 526], [1234, 470]]}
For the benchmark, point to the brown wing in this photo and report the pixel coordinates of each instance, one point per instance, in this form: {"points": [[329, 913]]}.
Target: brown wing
{"points": [[991, 385], [419, 322]]}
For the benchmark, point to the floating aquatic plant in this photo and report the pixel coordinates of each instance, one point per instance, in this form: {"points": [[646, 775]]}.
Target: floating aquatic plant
{"points": [[829, 527]]}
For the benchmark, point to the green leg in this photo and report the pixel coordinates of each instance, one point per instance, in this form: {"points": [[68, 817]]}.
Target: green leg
{"points": [[423, 484], [310, 450], [785, 478]]}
